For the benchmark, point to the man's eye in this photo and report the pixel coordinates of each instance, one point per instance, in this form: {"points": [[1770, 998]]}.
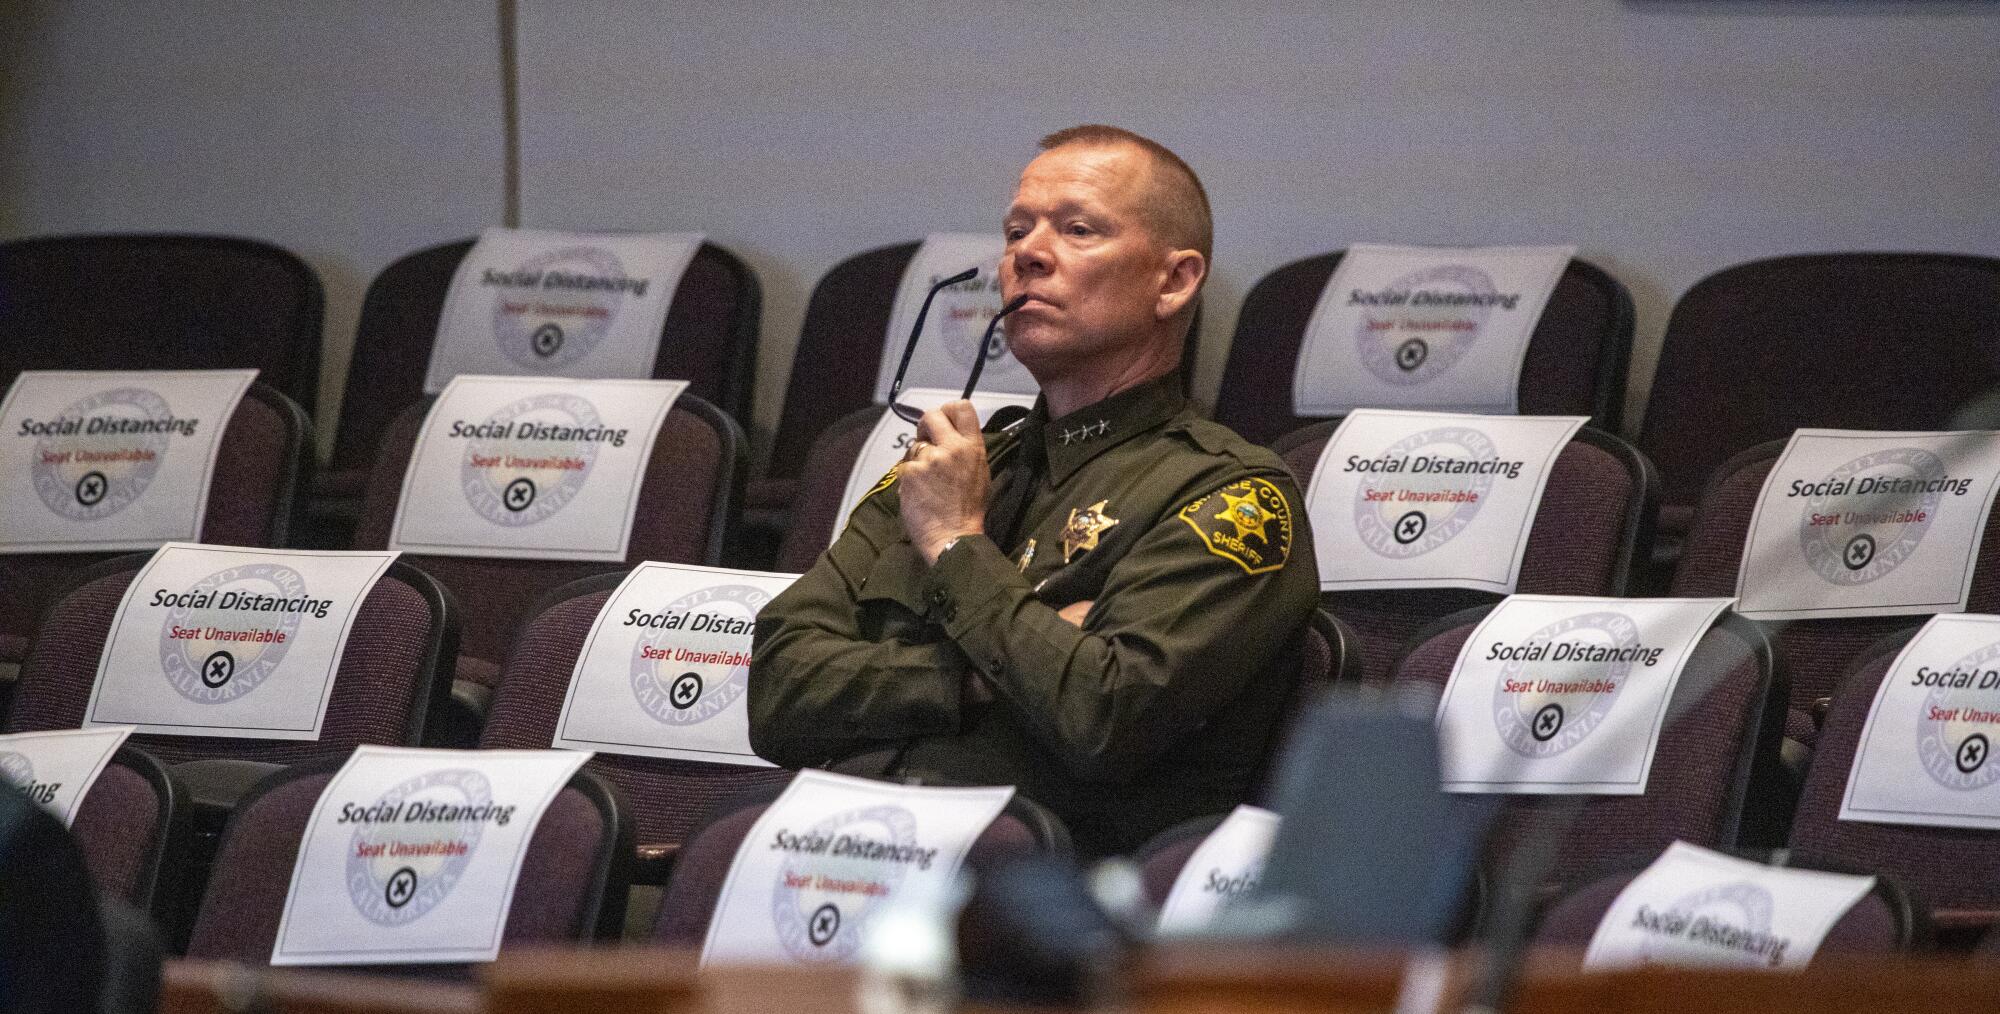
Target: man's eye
{"points": [[1079, 229], [1014, 234]]}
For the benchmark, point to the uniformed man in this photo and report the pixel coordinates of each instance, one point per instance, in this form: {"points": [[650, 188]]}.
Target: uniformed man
{"points": [[1083, 603]]}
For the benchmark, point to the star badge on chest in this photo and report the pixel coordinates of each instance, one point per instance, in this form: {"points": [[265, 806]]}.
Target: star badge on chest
{"points": [[1084, 526]]}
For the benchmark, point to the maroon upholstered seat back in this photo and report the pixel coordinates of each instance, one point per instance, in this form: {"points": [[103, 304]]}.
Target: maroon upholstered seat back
{"points": [[1944, 868], [1023, 828], [1813, 653], [1880, 923], [815, 501], [838, 356], [126, 824], [160, 302], [569, 888], [709, 339], [1161, 860], [1595, 519], [396, 666], [252, 497], [1852, 340], [683, 510], [1723, 723], [667, 797], [1575, 363]]}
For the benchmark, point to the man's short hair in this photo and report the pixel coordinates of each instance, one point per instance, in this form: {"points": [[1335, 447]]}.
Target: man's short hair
{"points": [[1179, 206]]}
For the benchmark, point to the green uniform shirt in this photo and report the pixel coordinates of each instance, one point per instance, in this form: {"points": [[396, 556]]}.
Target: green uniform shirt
{"points": [[1189, 541]]}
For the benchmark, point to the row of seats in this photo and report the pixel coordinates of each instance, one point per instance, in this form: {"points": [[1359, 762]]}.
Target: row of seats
{"points": [[678, 823], [1752, 352], [1591, 537]]}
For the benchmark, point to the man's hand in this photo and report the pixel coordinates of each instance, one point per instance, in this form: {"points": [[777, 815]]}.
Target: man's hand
{"points": [[944, 480]]}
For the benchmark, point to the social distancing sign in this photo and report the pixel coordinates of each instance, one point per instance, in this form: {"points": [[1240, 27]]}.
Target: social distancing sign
{"points": [[952, 333], [57, 769], [1221, 871], [531, 467], [229, 641], [1431, 500], [1424, 328], [665, 669], [1854, 523], [413, 856], [107, 461], [1926, 752], [1700, 908], [891, 437], [830, 855], [1556, 694], [536, 302]]}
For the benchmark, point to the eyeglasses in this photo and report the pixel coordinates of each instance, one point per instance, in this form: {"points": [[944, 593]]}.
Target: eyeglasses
{"points": [[911, 414]]}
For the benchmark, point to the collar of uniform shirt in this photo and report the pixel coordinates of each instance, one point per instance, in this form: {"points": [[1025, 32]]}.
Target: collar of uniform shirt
{"points": [[1073, 440]]}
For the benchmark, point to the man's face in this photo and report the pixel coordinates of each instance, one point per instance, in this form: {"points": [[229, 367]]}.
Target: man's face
{"points": [[1079, 247]]}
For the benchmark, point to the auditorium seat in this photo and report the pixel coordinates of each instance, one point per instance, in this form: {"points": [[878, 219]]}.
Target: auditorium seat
{"points": [[261, 465], [392, 679], [1883, 341], [1715, 754], [571, 886], [1593, 528], [1024, 827], [160, 302], [1952, 873], [1575, 362], [814, 500], [133, 822], [685, 503], [1161, 859], [709, 339], [667, 796], [1814, 653], [1884, 921], [836, 364]]}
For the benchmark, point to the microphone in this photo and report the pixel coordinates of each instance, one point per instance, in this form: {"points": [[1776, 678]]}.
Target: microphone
{"points": [[979, 361], [905, 412]]}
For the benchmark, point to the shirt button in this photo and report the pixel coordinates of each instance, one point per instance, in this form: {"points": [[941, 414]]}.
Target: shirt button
{"points": [[938, 596]]}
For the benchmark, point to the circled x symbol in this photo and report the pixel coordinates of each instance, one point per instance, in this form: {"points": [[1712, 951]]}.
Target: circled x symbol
{"points": [[1548, 722], [1972, 751], [1411, 354], [686, 690], [548, 340], [217, 668], [825, 923], [91, 488], [519, 494], [1860, 550], [401, 888], [1410, 527]]}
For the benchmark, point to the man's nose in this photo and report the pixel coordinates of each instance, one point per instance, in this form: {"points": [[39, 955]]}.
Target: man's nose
{"points": [[1033, 254]]}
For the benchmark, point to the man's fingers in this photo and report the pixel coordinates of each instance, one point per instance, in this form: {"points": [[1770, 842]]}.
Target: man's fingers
{"points": [[949, 424], [935, 427], [963, 417], [1076, 611]]}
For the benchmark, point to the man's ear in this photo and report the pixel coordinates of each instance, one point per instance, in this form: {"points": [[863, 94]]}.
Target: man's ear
{"points": [[1185, 270]]}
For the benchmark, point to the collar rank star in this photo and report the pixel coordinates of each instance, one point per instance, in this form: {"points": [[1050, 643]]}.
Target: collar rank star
{"points": [[1084, 526], [1085, 431]]}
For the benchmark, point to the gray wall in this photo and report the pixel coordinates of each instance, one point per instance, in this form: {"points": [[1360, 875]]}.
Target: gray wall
{"points": [[1665, 138]]}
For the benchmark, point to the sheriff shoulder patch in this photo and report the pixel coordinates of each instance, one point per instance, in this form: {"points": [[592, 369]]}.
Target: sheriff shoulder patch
{"points": [[1247, 521], [887, 480]]}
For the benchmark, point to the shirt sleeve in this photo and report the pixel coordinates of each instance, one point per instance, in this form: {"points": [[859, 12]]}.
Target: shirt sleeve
{"points": [[842, 660], [1177, 630]]}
